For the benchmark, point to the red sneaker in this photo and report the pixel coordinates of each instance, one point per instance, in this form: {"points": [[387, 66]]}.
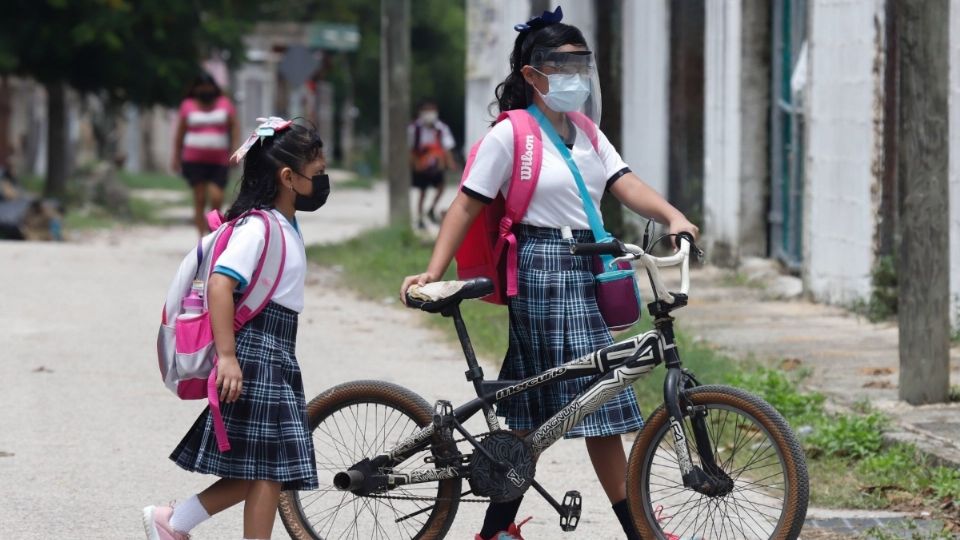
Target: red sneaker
{"points": [[658, 511], [512, 532]]}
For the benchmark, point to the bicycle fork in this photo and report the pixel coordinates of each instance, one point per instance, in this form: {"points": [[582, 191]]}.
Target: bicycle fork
{"points": [[709, 479]]}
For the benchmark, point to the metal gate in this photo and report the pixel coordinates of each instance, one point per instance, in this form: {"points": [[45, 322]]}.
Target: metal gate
{"points": [[787, 127]]}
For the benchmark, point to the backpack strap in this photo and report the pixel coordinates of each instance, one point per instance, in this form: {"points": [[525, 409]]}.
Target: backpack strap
{"points": [[213, 400], [527, 160], [586, 125], [267, 274], [259, 291]]}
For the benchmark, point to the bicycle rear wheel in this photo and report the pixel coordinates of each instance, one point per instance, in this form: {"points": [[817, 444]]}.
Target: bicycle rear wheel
{"points": [[360, 420], [752, 444]]}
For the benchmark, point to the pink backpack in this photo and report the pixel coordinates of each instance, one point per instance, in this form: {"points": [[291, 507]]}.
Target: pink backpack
{"points": [[185, 348], [490, 248]]}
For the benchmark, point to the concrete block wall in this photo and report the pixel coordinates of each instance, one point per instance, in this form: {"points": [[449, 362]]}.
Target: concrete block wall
{"points": [[646, 41], [490, 39], [721, 141], [839, 206]]}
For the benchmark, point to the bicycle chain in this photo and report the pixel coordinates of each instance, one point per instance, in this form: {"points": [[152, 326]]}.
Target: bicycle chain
{"points": [[437, 499]]}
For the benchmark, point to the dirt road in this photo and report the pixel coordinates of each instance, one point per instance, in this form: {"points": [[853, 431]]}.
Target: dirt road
{"points": [[86, 425]]}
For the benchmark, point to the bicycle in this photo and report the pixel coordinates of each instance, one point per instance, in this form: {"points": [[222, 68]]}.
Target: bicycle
{"points": [[393, 467]]}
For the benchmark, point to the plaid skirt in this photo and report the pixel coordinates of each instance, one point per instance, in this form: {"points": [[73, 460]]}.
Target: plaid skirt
{"points": [[267, 426], [554, 319]]}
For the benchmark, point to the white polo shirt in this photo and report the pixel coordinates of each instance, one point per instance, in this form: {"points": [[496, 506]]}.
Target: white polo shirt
{"points": [[242, 253], [556, 201]]}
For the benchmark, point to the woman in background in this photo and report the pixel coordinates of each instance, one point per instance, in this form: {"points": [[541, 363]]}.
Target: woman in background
{"points": [[206, 131]]}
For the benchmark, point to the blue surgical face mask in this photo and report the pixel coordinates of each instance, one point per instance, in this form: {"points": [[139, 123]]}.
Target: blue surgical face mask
{"points": [[568, 91]]}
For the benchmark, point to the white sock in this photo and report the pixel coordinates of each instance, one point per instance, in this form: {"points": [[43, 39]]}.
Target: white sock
{"points": [[188, 514]]}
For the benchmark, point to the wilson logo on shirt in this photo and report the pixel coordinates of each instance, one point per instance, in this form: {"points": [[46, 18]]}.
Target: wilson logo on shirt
{"points": [[526, 160]]}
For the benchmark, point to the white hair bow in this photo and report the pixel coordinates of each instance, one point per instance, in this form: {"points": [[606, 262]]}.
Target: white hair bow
{"points": [[268, 128]]}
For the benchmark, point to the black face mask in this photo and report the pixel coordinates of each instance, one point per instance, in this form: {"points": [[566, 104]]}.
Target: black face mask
{"points": [[206, 96], [318, 196]]}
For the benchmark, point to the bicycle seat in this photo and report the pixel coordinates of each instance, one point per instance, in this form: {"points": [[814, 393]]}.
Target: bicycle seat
{"points": [[439, 295]]}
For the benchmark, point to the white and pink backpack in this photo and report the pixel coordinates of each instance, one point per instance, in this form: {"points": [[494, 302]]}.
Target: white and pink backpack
{"points": [[185, 348]]}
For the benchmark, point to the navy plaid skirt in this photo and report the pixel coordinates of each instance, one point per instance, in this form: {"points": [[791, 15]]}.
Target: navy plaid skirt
{"points": [[554, 319], [267, 426]]}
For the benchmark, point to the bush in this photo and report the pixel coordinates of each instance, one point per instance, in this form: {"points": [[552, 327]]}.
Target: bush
{"points": [[849, 435]]}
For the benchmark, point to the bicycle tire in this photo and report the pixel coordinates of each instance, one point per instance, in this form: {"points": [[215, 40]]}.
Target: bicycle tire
{"points": [[767, 421], [325, 408]]}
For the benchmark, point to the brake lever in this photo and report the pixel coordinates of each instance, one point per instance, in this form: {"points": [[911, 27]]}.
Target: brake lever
{"points": [[626, 258], [699, 253]]}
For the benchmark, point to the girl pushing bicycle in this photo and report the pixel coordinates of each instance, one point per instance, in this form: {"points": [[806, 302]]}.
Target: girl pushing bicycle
{"points": [[554, 317]]}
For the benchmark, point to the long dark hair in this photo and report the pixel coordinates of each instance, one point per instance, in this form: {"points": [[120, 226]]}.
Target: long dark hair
{"points": [[201, 79], [513, 92], [295, 147]]}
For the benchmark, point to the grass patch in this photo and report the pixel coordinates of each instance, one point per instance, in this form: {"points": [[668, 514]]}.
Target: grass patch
{"points": [[153, 180], [377, 274], [360, 182], [87, 219], [848, 464], [739, 279]]}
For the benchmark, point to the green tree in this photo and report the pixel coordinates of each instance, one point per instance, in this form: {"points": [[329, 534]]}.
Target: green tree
{"points": [[438, 45], [141, 51]]}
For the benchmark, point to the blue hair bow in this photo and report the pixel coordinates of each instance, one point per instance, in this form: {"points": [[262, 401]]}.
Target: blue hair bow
{"points": [[536, 23]]}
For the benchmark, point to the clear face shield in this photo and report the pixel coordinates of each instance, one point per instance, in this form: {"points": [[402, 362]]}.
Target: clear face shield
{"points": [[571, 80]]}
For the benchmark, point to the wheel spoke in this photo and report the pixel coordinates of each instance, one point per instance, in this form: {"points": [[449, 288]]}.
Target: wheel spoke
{"points": [[345, 435], [744, 451]]}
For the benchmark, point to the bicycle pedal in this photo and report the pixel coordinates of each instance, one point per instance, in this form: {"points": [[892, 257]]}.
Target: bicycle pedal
{"points": [[442, 414], [570, 510]]}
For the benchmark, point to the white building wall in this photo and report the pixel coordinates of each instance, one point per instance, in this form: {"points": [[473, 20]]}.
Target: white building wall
{"points": [[954, 149], [490, 39], [581, 15], [839, 218], [722, 116], [646, 44]]}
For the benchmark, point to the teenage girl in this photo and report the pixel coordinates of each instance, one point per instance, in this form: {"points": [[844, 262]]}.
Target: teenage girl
{"points": [[554, 318], [207, 129], [260, 386]]}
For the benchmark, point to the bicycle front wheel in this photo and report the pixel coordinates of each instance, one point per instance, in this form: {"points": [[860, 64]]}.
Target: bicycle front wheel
{"points": [[752, 445], [360, 420]]}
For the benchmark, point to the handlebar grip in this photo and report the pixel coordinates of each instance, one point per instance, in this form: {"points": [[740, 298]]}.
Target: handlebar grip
{"points": [[614, 248], [685, 236]]}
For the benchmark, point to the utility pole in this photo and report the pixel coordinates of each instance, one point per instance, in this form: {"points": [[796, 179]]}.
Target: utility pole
{"points": [[609, 63], [924, 217], [395, 105]]}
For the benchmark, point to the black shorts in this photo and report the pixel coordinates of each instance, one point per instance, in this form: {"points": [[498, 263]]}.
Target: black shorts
{"points": [[427, 179], [201, 173]]}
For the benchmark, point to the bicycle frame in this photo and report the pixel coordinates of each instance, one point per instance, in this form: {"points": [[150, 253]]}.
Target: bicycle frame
{"points": [[614, 368]]}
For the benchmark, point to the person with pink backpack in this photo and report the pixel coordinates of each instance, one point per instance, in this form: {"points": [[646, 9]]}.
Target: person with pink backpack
{"points": [[547, 151], [263, 444]]}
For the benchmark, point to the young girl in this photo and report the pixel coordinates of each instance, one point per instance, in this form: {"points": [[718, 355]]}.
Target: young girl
{"points": [[554, 318], [263, 407]]}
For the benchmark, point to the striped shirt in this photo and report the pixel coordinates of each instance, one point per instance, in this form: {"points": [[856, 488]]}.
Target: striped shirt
{"points": [[207, 138]]}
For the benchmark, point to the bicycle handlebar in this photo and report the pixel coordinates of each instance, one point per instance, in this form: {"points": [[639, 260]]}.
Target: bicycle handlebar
{"points": [[629, 252], [615, 248]]}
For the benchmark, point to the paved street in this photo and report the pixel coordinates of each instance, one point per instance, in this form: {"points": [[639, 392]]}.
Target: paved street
{"points": [[87, 425]]}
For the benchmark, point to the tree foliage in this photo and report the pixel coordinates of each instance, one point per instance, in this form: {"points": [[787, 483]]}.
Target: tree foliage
{"points": [[438, 45], [141, 51]]}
